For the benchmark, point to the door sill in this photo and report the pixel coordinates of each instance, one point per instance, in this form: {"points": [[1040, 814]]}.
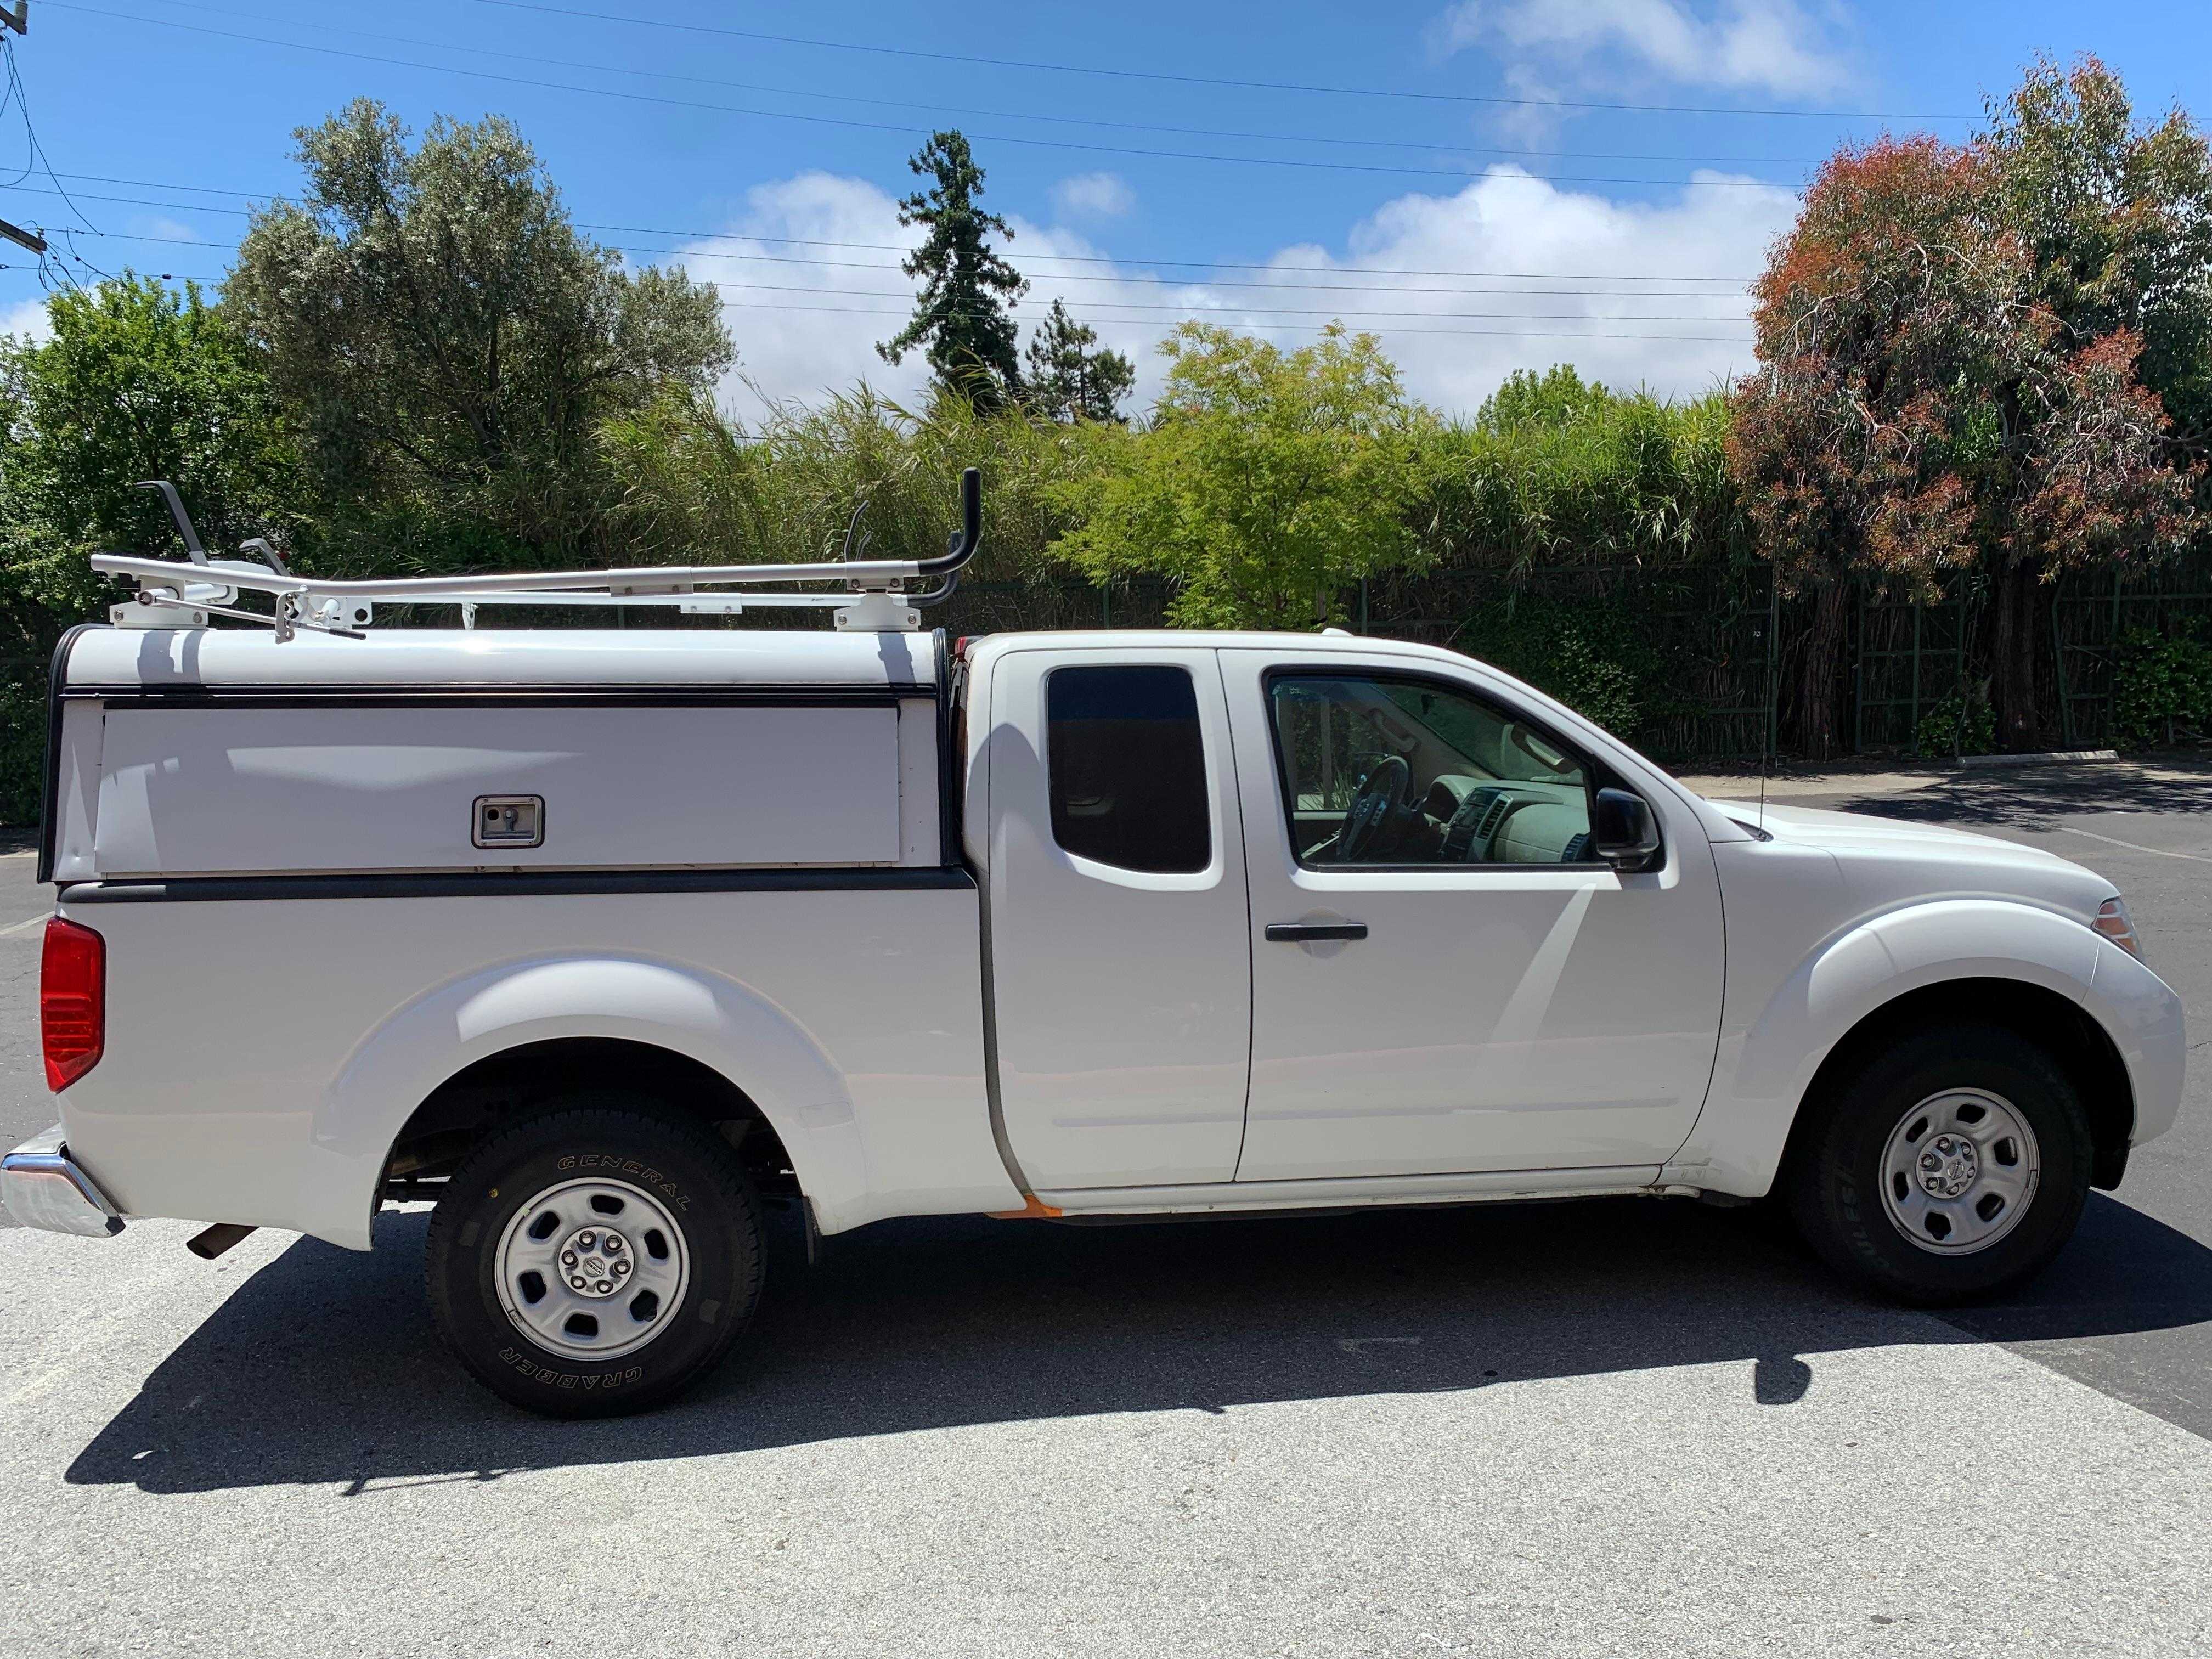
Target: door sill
{"points": [[1497, 1186]]}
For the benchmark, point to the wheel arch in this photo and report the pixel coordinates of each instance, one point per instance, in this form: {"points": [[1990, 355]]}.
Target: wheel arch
{"points": [[465, 1056], [2037, 1014], [1976, 958], [485, 1096]]}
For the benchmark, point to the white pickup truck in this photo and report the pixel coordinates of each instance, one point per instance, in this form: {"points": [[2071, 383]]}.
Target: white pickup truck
{"points": [[602, 939]]}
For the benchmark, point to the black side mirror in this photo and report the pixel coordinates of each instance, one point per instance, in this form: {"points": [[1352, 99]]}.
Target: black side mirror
{"points": [[1625, 833]]}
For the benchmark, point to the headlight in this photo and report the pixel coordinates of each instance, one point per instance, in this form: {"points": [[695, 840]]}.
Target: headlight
{"points": [[2115, 924]]}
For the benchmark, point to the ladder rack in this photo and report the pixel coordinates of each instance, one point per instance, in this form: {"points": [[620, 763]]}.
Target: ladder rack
{"points": [[875, 596]]}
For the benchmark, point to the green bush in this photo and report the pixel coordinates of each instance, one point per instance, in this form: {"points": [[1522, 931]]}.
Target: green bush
{"points": [[1588, 654], [22, 742], [1956, 727], [2161, 688]]}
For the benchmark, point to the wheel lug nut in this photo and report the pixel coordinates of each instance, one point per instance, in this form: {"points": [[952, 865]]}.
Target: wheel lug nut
{"points": [[576, 1284], [614, 1242], [621, 1268], [568, 1258], [602, 1287], [584, 1239]]}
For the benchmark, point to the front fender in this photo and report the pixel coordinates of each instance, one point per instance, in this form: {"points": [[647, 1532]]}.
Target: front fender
{"points": [[718, 1022], [1784, 1020]]}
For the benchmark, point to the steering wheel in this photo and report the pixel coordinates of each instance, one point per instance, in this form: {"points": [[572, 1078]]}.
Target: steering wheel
{"points": [[1381, 797]]}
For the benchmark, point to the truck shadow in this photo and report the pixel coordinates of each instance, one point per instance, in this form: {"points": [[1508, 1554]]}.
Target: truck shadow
{"points": [[320, 1369]]}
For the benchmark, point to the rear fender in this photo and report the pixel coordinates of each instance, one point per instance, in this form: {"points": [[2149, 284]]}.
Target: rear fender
{"points": [[718, 1022]]}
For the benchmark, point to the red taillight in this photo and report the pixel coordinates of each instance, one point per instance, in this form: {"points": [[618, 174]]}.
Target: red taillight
{"points": [[72, 1001]]}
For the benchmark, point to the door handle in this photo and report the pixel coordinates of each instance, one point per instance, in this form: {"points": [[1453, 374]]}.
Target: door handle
{"points": [[1303, 933]]}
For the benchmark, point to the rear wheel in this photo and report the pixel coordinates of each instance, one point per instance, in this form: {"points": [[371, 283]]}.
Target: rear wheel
{"points": [[1947, 1166], [594, 1260]]}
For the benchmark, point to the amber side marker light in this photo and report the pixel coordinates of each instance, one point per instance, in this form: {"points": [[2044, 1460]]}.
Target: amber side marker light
{"points": [[2114, 923], [72, 1001]]}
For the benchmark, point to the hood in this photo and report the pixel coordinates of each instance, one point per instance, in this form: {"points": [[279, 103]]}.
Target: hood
{"points": [[1883, 857], [1812, 826]]}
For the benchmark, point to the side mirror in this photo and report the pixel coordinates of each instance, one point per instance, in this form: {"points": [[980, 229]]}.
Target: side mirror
{"points": [[1625, 833]]}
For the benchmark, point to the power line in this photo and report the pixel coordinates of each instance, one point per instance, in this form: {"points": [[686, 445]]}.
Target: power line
{"points": [[1000, 114], [1209, 80], [1266, 328], [901, 248], [1294, 162], [1096, 303], [1051, 277]]}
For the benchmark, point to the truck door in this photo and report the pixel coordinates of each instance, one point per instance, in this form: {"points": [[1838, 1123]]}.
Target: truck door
{"points": [[1119, 938], [1445, 979]]}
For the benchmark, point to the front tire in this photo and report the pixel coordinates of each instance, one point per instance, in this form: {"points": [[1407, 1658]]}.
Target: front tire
{"points": [[595, 1260], [1946, 1167]]}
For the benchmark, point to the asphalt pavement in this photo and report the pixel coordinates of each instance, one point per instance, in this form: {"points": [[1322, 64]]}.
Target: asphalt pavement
{"points": [[1616, 1427]]}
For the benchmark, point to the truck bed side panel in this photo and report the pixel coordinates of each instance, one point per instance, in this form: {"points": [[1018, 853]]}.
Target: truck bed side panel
{"points": [[262, 1053]]}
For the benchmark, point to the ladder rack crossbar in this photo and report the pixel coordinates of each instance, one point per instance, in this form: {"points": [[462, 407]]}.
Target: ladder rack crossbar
{"points": [[647, 580], [872, 593]]}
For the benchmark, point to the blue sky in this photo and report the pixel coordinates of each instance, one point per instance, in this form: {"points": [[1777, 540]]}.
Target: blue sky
{"points": [[1400, 184]]}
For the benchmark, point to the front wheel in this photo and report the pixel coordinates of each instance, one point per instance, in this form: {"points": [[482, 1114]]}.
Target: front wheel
{"points": [[594, 1260], [1950, 1165]]}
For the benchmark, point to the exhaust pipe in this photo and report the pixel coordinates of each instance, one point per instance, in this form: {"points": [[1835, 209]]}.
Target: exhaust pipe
{"points": [[217, 1239]]}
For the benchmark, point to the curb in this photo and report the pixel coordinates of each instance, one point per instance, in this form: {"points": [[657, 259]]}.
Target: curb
{"points": [[2051, 758]]}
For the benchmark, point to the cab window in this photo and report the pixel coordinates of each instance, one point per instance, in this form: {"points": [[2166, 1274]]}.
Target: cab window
{"points": [[1128, 768], [1382, 770]]}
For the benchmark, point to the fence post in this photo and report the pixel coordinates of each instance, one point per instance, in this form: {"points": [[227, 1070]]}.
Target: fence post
{"points": [[2058, 662], [1858, 679], [1773, 676], [1919, 612]]}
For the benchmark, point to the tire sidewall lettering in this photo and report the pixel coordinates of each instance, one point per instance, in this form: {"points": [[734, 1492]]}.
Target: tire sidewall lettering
{"points": [[637, 1168], [552, 1378]]}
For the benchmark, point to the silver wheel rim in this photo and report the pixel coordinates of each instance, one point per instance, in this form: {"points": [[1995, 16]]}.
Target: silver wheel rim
{"points": [[593, 1269], [1958, 1172]]}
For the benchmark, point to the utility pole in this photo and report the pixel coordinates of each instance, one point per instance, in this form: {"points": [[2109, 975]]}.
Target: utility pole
{"points": [[19, 20]]}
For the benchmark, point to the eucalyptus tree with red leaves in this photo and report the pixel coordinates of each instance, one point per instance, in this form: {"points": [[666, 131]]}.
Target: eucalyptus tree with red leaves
{"points": [[1953, 389]]}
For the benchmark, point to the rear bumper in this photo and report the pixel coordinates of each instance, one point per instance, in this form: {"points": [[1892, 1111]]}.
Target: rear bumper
{"points": [[43, 1187]]}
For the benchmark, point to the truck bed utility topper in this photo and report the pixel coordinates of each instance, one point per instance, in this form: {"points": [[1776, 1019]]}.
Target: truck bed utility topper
{"points": [[603, 941]]}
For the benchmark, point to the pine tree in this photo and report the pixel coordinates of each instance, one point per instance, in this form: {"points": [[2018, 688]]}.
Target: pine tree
{"points": [[961, 312], [1070, 380]]}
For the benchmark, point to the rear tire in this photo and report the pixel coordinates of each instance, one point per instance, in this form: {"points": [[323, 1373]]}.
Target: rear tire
{"points": [[1952, 1163], [595, 1260]]}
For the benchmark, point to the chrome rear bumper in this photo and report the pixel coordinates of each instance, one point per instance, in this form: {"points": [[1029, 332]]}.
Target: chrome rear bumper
{"points": [[42, 1187]]}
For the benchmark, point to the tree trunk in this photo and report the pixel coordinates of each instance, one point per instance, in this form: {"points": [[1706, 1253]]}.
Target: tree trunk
{"points": [[1818, 708], [2015, 659]]}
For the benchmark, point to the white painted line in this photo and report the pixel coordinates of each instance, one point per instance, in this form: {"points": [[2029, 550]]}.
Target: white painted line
{"points": [[23, 926], [2133, 846]]}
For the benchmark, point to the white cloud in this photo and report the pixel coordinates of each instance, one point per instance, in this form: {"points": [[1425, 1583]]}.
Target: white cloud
{"points": [[155, 227], [26, 318], [1775, 47], [1456, 335], [806, 329], [1093, 195]]}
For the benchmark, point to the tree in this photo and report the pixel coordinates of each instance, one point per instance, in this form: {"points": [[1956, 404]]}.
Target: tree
{"points": [[1072, 378], [1558, 398], [2115, 221], [1920, 416], [138, 381], [1268, 482], [445, 338], [960, 315]]}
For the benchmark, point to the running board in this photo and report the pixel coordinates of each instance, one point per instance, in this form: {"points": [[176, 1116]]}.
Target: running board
{"points": [[1499, 1187]]}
